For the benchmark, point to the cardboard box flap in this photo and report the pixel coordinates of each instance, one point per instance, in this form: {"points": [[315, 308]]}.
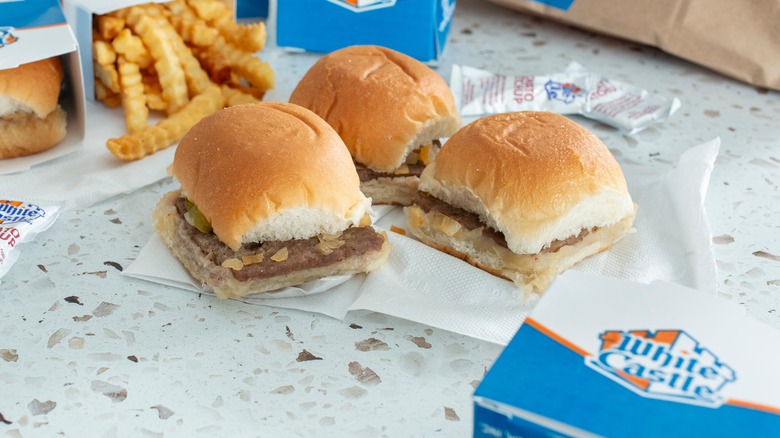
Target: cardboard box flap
{"points": [[36, 31], [445, 10]]}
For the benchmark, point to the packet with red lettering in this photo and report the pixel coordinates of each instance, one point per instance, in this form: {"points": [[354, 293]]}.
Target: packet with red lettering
{"points": [[20, 222], [575, 91]]}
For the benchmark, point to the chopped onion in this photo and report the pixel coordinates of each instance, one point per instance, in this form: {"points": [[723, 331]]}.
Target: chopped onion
{"points": [[280, 255], [233, 263]]}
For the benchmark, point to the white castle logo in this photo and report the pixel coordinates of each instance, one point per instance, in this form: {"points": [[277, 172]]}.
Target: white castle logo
{"points": [[665, 364], [363, 5]]}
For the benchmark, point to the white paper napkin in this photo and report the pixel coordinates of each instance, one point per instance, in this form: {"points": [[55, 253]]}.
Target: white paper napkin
{"points": [[672, 243]]}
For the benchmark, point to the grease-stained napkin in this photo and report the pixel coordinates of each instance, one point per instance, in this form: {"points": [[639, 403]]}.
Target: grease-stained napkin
{"points": [[672, 243]]}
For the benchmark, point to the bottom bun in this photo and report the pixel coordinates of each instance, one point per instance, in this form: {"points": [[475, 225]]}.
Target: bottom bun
{"points": [[27, 134], [530, 272], [177, 234], [397, 190]]}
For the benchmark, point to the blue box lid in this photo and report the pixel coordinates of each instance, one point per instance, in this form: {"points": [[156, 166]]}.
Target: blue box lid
{"points": [[702, 370], [418, 28]]}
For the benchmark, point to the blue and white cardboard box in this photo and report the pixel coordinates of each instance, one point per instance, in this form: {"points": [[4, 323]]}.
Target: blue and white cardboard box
{"points": [[251, 8], [607, 357], [418, 28], [80, 14], [31, 30]]}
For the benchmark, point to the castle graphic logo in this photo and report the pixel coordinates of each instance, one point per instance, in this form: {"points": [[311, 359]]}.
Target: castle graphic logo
{"points": [[364, 5], [6, 36], [665, 364]]}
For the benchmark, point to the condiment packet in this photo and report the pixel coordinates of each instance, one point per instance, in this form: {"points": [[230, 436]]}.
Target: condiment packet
{"points": [[574, 91], [20, 222]]}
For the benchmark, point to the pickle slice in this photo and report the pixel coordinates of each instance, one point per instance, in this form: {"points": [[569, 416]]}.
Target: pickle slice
{"points": [[196, 218]]}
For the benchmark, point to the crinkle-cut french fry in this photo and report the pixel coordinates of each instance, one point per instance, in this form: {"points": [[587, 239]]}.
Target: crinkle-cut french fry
{"points": [[166, 62], [236, 97], [206, 9], [249, 37], [192, 29], [251, 68], [103, 53], [168, 131], [252, 91], [109, 26], [183, 51], [102, 92], [108, 97], [197, 78], [132, 48], [215, 64], [196, 32], [107, 74], [113, 101], [155, 101], [133, 98]]}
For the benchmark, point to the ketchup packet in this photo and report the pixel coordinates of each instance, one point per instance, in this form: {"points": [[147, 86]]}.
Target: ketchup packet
{"points": [[20, 222], [575, 91]]}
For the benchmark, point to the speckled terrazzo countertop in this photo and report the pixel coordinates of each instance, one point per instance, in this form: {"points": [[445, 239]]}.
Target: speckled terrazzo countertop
{"points": [[87, 351]]}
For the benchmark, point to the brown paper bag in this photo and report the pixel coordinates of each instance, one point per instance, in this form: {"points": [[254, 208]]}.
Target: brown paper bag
{"points": [[740, 39]]}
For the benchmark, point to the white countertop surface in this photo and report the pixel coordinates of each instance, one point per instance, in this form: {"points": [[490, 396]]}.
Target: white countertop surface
{"points": [[87, 351]]}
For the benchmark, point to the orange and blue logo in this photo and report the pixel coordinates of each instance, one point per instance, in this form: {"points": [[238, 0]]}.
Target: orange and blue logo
{"points": [[565, 92], [364, 5], [7, 37], [17, 211], [665, 364]]}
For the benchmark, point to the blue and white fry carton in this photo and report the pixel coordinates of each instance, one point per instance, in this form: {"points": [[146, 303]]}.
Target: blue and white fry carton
{"points": [[31, 30], [606, 357], [81, 14], [418, 28]]}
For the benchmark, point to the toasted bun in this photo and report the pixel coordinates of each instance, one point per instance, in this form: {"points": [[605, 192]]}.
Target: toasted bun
{"points": [[384, 104], [269, 171], [534, 176], [31, 119], [530, 272], [172, 229], [32, 87]]}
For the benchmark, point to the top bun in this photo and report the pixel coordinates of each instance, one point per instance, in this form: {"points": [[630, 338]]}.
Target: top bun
{"points": [[383, 104], [269, 171], [33, 87], [534, 176]]}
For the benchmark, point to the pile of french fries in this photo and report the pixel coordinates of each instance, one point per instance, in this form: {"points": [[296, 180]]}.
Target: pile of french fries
{"points": [[186, 59]]}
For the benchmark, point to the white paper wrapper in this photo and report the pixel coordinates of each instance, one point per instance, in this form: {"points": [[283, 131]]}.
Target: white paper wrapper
{"points": [[672, 243]]}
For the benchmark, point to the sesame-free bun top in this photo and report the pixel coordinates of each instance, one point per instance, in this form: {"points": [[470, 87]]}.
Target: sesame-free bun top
{"points": [[382, 103], [269, 171], [534, 176], [33, 87]]}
